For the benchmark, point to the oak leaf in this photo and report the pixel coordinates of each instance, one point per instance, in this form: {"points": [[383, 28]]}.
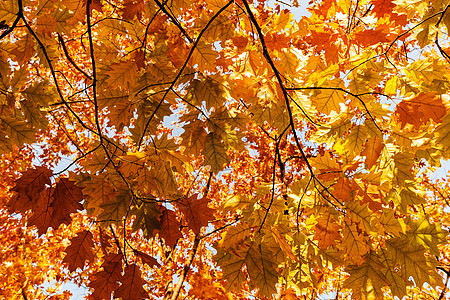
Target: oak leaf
{"points": [[107, 280], [31, 183], [66, 200], [170, 228], [132, 283], [196, 212], [79, 251]]}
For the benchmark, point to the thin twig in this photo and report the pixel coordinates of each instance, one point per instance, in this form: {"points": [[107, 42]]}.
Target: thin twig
{"points": [[181, 70]]}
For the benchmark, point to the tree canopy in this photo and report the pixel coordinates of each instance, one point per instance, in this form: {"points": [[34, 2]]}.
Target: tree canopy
{"points": [[215, 149]]}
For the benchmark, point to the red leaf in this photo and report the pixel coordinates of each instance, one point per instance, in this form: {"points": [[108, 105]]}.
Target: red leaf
{"points": [[131, 9], [79, 250], [30, 184], [196, 212], [170, 228], [146, 259], [94, 4], [66, 200], [132, 282], [42, 212], [104, 240], [106, 281]]}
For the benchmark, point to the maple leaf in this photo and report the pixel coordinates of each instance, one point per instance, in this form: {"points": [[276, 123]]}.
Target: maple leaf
{"points": [[132, 9], [260, 267], [79, 250], [147, 219], [16, 132], [196, 212], [132, 283], [412, 260], [367, 279], [427, 234], [316, 172], [372, 151], [354, 243], [42, 212]]}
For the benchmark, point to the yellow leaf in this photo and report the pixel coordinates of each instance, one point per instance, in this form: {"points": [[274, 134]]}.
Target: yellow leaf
{"points": [[328, 100], [215, 154]]}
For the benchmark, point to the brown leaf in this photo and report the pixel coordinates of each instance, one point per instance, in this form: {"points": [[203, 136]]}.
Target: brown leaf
{"points": [[132, 282], [30, 184], [66, 200], [170, 228], [106, 281], [131, 9], [196, 212], [146, 259], [42, 212], [79, 250]]}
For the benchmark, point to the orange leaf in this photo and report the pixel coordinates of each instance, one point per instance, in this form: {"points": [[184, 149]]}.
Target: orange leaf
{"points": [[418, 110], [66, 200], [30, 184], [327, 231], [372, 150]]}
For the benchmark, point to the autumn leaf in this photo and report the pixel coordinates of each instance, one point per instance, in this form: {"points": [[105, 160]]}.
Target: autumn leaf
{"points": [[170, 228], [79, 251], [132, 282], [327, 231], [28, 186], [215, 153], [318, 140], [196, 212], [107, 280], [260, 267], [367, 279], [66, 200], [145, 258], [420, 109], [147, 219], [372, 150]]}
